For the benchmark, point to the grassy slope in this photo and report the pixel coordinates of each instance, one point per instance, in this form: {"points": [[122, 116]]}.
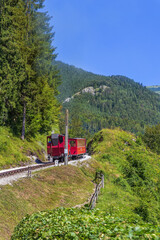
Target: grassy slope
{"points": [[14, 151], [129, 200], [132, 184], [48, 189]]}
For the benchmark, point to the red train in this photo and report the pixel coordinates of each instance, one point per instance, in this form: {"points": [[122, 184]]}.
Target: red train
{"points": [[56, 146]]}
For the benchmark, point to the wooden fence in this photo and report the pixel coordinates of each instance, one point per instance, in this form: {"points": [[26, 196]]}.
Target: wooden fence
{"points": [[99, 179]]}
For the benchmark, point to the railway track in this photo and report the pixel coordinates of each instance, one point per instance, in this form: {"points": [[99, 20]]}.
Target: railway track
{"points": [[11, 172], [14, 171]]}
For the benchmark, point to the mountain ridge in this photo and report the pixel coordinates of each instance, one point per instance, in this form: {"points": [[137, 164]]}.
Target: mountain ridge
{"points": [[124, 103], [70, 71]]}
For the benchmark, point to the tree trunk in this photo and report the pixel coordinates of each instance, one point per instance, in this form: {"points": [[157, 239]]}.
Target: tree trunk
{"points": [[24, 121]]}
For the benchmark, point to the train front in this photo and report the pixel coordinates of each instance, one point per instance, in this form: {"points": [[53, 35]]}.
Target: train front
{"points": [[55, 147]]}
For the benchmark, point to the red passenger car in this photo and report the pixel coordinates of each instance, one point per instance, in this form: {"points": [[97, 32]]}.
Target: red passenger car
{"points": [[56, 146]]}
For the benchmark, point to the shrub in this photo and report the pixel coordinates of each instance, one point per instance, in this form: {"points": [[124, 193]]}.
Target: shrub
{"points": [[80, 224]]}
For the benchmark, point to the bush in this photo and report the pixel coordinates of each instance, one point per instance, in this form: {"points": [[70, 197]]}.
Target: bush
{"points": [[80, 224], [152, 138]]}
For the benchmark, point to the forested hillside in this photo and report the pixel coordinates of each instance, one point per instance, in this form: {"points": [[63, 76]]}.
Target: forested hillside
{"points": [[28, 80], [96, 101]]}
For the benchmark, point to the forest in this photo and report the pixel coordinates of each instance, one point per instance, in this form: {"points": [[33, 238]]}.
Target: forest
{"points": [[28, 80]]}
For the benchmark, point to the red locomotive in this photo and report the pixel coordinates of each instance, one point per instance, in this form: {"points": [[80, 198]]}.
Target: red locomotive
{"points": [[56, 146]]}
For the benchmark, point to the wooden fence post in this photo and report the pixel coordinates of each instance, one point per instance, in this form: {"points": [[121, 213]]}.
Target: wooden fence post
{"points": [[29, 172], [94, 197], [103, 181]]}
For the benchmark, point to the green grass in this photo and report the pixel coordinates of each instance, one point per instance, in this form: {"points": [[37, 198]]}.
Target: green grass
{"points": [[14, 151], [64, 186]]}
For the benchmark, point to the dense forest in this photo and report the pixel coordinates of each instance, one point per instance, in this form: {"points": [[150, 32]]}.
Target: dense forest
{"points": [[97, 102], [28, 80]]}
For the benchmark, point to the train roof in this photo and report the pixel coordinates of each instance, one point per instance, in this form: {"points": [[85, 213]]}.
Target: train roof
{"points": [[68, 136]]}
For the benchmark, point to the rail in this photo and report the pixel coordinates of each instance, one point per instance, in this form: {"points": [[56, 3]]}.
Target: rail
{"points": [[99, 179], [28, 169]]}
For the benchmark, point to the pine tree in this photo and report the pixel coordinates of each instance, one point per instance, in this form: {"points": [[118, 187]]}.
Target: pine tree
{"points": [[28, 80], [42, 107], [11, 63]]}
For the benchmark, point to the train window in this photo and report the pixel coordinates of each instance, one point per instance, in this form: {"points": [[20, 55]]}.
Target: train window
{"points": [[54, 138], [72, 143], [49, 140], [81, 143], [55, 141], [60, 139]]}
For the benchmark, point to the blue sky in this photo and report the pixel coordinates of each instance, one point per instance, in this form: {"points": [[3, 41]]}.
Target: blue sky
{"points": [[109, 37]]}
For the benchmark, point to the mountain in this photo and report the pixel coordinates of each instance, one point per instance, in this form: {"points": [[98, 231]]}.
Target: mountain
{"points": [[95, 101], [154, 88]]}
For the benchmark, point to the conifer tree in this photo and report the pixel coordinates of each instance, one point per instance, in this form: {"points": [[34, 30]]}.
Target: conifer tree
{"points": [[41, 84], [28, 80], [11, 63]]}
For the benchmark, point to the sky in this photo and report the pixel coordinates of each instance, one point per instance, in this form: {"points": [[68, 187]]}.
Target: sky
{"points": [[109, 37]]}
